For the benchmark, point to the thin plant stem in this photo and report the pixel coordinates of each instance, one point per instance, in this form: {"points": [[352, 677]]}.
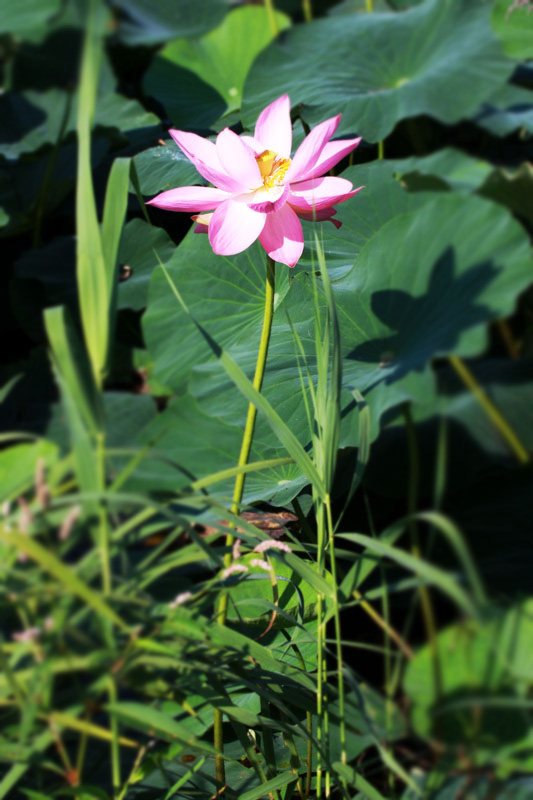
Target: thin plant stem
{"points": [[338, 636], [107, 585], [308, 10], [321, 704], [508, 338], [369, 5], [394, 635], [381, 149], [115, 746], [309, 724], [82, 752], [412, 501], [240, 479], [269, 5], [499, 422], [136, 764], [319, 696], [104, 529]]}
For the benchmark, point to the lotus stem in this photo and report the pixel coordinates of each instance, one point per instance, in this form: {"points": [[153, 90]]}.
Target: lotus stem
{"points": [[246, 446]]}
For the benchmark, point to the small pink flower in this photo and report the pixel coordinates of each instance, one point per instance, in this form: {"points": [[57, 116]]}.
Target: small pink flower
{"points": [[29, 635], [257, 190], [236, 550], [233, 569], [272, 544], [68, 523], [180, 599], [258, 562]]}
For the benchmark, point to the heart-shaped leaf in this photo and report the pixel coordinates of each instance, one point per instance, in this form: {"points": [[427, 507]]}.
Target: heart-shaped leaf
{"points": [[383, 68], [223, 57], [477, 663]]}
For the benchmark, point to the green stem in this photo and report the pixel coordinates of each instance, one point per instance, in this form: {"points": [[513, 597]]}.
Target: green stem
{"points": [[369, 5], [381, 150], [338, 637], [104, 530], [115, 745], [499, 422], [308, 10], [240, 479], [319, 696], [269, 5]]}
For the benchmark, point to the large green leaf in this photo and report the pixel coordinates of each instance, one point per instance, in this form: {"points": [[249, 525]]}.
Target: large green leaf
{"points": [[137, 258], [378, 6], [195, 105], [383, 68], [164, 167], [249, 600], [32, 119], [223, 57], [447, 169], [152, 21], [512, 188], [482, 788], [20, 18], [425, 286], [485, 668], [18, 464], [188, 444], [509, 109], [381, 200], [515, 28]]}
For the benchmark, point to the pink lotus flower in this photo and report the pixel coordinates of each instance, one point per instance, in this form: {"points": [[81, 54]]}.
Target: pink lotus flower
{"points": [[258, 190]]}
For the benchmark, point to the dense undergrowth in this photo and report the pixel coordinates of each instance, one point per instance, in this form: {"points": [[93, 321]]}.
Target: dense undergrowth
{"points": [[376, 584]]}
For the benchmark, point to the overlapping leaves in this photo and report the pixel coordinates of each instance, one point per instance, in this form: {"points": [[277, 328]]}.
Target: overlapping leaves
{"points": [[408, 286], [384, 68]]}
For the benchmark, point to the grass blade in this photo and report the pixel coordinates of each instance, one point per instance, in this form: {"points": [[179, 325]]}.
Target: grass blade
{"points": [[115, 206], [64, 574], [90, 264], [434, 575], [270, 786]]}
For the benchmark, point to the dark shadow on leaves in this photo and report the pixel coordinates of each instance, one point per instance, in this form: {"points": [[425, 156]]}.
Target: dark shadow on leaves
{"points": [[425, 326]]}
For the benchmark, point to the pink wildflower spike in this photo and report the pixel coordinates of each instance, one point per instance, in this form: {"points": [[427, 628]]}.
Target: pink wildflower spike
{"points": [[236, 550], [257, 191], [29, 635], [233, 570], [258, 562], [68, 523], [272, 544], [180, 599]]}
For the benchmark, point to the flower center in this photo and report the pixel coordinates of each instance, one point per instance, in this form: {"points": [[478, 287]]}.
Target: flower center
{"points": [[272, 168]]}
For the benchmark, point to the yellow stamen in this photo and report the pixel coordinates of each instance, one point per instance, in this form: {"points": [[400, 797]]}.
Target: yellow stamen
{"points": [[272, 168], [265, 162]]}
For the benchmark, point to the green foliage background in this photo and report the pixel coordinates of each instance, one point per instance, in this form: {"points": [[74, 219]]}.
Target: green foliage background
{"points": [[110, 391]]}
